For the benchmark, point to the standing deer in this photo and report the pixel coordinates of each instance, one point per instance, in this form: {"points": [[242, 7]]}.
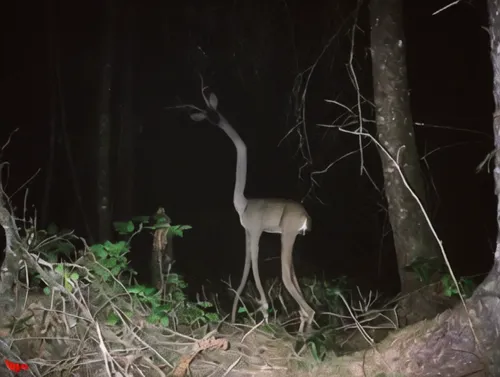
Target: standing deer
{"points": [[282, 216]]}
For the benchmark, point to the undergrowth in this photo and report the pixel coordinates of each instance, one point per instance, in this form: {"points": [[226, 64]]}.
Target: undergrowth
{"points": [[94, 308]]}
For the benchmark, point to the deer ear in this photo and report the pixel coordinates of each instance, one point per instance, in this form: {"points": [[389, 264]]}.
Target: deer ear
{"points": [[213, 101], [198, 117]]}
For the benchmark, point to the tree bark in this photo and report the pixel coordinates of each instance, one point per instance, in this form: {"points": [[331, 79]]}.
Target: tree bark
{"points": [[104, 137], [412, 236]]}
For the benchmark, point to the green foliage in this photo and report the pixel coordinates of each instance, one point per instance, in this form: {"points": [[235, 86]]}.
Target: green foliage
{"points": [[426, 268], [167, 308], [69, 278], [145, 222], [111, 259], [172, 305], [467, 286]]}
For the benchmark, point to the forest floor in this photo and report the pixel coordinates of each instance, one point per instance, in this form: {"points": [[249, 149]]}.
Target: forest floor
{"points": [[69, 337], [55, 339]]}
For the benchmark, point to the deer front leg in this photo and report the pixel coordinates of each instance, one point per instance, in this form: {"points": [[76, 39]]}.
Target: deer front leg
{"points": [[254, 252], [244, 278]]}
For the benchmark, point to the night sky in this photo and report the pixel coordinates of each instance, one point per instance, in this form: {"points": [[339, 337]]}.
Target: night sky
{"points": [[250, 53]]}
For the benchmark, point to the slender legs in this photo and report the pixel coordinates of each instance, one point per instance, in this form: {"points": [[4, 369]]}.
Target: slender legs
{"points": [[291, 283], [244, 278], [287, 273]]}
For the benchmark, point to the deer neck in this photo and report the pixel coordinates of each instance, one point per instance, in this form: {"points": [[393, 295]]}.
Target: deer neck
{"points": [[239, 200]]}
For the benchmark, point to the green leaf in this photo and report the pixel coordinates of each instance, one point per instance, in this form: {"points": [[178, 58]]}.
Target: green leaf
{"points": [[112, 319], [242, 309], [109, 262], [153, 318], [74, 276], [116, 270], [165, 321], [136, 289], [99, 251], [60, 269], [178, 230], [47, 291], [212, 317], [149, 291], [179, 296], [124, 227], [163, 308], [116, 248], [108, 245]]}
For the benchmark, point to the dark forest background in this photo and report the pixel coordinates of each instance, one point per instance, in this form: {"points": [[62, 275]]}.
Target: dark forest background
{"points": [[252, 54]]}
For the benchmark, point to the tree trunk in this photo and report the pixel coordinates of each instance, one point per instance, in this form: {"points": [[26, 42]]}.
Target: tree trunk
{"points": [[104, 141], [459, 342], [412, 236]]}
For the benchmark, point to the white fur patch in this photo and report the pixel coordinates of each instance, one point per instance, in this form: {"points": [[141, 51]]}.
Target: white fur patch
{"points": [[303, 228]]}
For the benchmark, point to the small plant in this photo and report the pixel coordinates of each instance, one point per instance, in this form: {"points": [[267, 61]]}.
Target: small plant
{"points": [[467, 286], [158, 221], [69, 278], [111, 259], [173, 306]]}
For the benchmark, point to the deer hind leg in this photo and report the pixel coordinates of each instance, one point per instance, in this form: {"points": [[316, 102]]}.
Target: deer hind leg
{"points": [[306, 312], [244, 277], [291, 283]]}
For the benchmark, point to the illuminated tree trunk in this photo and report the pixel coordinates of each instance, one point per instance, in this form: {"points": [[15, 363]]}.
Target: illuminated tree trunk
{"points": [[412, 236]]}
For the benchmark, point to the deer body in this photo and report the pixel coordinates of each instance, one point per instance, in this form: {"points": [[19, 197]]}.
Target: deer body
{"points": [[282, 216]]}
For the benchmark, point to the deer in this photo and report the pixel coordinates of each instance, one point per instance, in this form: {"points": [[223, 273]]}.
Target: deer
{"points": [[274, 215]]}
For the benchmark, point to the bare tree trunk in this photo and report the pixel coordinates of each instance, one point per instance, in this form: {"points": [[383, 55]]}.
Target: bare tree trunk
{"points": [[494, 7], [104, 141], [412, 236]]}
